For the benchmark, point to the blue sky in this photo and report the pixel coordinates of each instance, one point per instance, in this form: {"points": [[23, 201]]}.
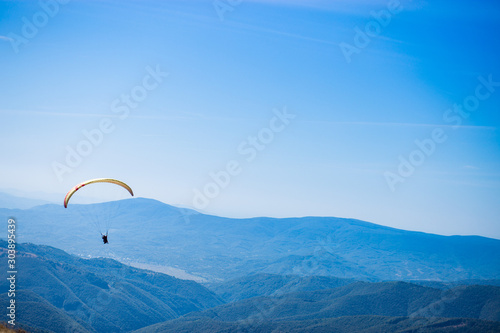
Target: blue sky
{"points": [[263, 95]]}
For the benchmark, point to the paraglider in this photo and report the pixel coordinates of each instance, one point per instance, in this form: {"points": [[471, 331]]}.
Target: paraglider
{"points": [[68, 196], [97, 180]]}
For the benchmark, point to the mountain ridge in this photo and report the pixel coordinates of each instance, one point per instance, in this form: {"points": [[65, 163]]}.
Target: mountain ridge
{"points": [[60, 292], [395, 306], [192, 211], [212, 248], [98, 294]]}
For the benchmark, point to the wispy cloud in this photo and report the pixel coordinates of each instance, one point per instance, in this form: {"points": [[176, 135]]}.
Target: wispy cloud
{"points": [[178, 116], [353, 7], [5, 38], [470, 167], [391, 124], [54, 113], [250, 27], [323, 4], [198, 116]]}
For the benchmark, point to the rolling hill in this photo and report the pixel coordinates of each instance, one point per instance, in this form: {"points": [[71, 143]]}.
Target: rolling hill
{"points": [[356, 307], [41, 316], [59, 292], [272, 285], [394, 299], [358, 324], [17, 202], [96, 295], [217, 249]]}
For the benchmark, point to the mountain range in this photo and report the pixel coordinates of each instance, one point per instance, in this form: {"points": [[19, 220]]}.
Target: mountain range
{"points": [[100, 295], [59, 292], [210, 248], [356, 307]]}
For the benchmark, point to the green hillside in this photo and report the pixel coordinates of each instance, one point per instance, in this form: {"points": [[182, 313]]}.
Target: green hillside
{"points": [[34, 311], [351, 324], [272, 285], [58, 292], [364, 298], [355, 307], [100, 295]]}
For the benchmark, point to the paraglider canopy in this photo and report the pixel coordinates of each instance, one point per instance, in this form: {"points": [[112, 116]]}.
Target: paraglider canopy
{"points": [[98, 180]]}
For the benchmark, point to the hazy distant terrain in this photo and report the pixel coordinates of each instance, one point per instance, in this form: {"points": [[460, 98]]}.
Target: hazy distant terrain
{"points": [[58, 292], [210, 248], [15, 202]]}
